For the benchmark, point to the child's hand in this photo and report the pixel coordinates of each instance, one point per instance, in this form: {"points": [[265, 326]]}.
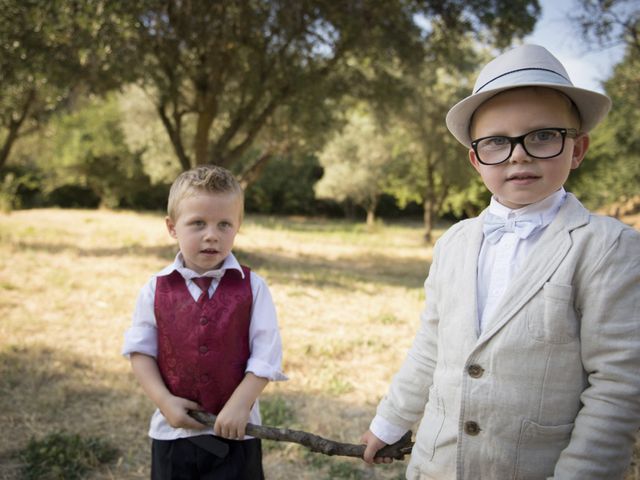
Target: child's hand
{"points": [[231, 422], [175, 410], [373, 444]]}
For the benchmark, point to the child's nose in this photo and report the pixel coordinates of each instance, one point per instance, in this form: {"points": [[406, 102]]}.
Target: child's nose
{"points": [[210, 234], [519, 154]]}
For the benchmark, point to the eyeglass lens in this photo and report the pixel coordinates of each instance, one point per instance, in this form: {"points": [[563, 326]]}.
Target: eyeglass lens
{"points": [[544, 143]]}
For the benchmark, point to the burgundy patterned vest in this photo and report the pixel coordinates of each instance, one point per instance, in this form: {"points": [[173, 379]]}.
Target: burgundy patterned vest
{"points": [[203, 352]]}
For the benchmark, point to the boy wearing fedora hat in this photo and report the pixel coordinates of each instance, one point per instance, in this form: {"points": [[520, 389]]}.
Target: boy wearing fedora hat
{"points": [[526, 364]]}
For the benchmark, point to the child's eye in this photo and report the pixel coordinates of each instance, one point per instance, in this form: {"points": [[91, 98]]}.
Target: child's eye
{"points": [[544, 136], [500, 141], [198, 223], [493, 143], [225, 225]]}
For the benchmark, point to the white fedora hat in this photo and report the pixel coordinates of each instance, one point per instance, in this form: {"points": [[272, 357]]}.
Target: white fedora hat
{"points": [[526, 65]]}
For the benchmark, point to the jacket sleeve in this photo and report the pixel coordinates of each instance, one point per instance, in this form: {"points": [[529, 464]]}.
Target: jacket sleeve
{"points": [[405, 401], [609, 302]]}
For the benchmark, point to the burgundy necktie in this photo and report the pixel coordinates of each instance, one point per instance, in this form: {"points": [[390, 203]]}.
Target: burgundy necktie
{"points": [[203, 284]]}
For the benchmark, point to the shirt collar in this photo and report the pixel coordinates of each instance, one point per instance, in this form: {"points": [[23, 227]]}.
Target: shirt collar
{"points": [[229, 263], [546, 208]]}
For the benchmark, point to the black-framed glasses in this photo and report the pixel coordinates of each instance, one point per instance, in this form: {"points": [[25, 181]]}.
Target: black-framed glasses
{"points": [[540, 143]]}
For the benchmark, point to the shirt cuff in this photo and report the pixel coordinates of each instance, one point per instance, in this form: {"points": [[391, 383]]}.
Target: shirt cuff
{"points": [[264, 370], [385, 430], [140, 340]]}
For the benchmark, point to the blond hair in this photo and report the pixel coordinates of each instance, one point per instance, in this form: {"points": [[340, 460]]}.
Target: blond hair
{"points": [[204, 178]]}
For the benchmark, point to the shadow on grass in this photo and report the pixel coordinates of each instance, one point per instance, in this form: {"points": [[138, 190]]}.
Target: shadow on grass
{"points": [[343, 272], [45, 391], [305, 270], [167, 252]]}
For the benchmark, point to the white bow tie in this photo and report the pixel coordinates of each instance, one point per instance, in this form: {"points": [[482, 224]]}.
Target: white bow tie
{"points": [[494, 226]]}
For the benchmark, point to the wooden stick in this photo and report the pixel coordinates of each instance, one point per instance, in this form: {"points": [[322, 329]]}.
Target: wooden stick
{"points": [[313, 442]]}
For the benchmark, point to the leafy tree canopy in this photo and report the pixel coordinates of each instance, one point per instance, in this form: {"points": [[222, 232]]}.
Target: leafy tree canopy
{"points": [[51, 52], [234, 69]]}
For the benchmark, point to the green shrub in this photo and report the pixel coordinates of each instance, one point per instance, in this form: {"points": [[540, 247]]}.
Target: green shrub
{"points": [[73, 196], [64, 456], [276, 412]]}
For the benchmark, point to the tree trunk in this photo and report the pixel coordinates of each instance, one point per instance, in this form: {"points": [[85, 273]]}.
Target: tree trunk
{"points": [[371, 216], [174, 131], [428, 219], [201, 138], [253, 172], [14, 128], [429, 202]]}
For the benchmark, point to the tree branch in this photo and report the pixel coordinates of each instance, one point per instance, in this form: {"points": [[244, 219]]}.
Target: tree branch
{"points": [[313, 442]]}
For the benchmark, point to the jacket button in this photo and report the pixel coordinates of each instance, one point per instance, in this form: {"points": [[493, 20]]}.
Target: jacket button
{"points": [[203, 349], [203, 320], [475, 371], [471, 428]]}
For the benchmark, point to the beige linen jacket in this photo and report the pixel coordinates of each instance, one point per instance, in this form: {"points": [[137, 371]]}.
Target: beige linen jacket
{"points": [[551, 388]]}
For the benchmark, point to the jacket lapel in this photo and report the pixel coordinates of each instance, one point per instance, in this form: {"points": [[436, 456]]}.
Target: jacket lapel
{"points": [[543, 260], [469, 280]]}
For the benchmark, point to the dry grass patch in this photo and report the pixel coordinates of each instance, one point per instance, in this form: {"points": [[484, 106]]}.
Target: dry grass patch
{"points": [[348, 302]]}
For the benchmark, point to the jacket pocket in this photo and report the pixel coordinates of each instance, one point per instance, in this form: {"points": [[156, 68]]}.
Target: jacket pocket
{"points": [[431, 425], [551, 317], [539, 448]]}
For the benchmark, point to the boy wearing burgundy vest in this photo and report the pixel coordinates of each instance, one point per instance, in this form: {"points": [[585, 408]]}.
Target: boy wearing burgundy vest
{"points": [[204, 336]]}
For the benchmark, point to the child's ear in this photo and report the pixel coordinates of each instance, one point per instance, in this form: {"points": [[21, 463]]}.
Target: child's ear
{"points": [[473, 160], [580, 147], [171, 227]]}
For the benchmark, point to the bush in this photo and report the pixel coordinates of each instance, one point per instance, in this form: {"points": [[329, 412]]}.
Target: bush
{"points": [[276, 412], [285, 187], [63, 456], [146, 197], [20, 187], [73, 196]]}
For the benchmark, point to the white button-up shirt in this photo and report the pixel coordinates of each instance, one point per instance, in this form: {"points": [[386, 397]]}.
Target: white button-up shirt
{"points": [[498, 262], [264, 337]]}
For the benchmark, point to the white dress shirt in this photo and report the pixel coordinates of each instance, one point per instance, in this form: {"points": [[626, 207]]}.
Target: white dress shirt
{"points": [[265, 345], [497, 263]]}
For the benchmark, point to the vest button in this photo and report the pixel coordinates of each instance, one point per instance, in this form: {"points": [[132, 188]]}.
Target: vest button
{"points": [[475, 371], [204, 378], [204, 320], [203, 349], [471, 428]]}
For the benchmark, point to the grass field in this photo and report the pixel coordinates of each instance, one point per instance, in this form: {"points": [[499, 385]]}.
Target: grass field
{"points": [[348, 302]]}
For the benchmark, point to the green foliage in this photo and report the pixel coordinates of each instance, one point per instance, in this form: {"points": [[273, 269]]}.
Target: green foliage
{"points": [[227, 77], [224, 80], [64, 456], [428, 164], [276, 412], [51, 51], [345, 470], [73, 196], [91, 153], [467, 201], [356, 162], [607, 23], [143, 133], [291, 193], [19, 187], [611, 170]]}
